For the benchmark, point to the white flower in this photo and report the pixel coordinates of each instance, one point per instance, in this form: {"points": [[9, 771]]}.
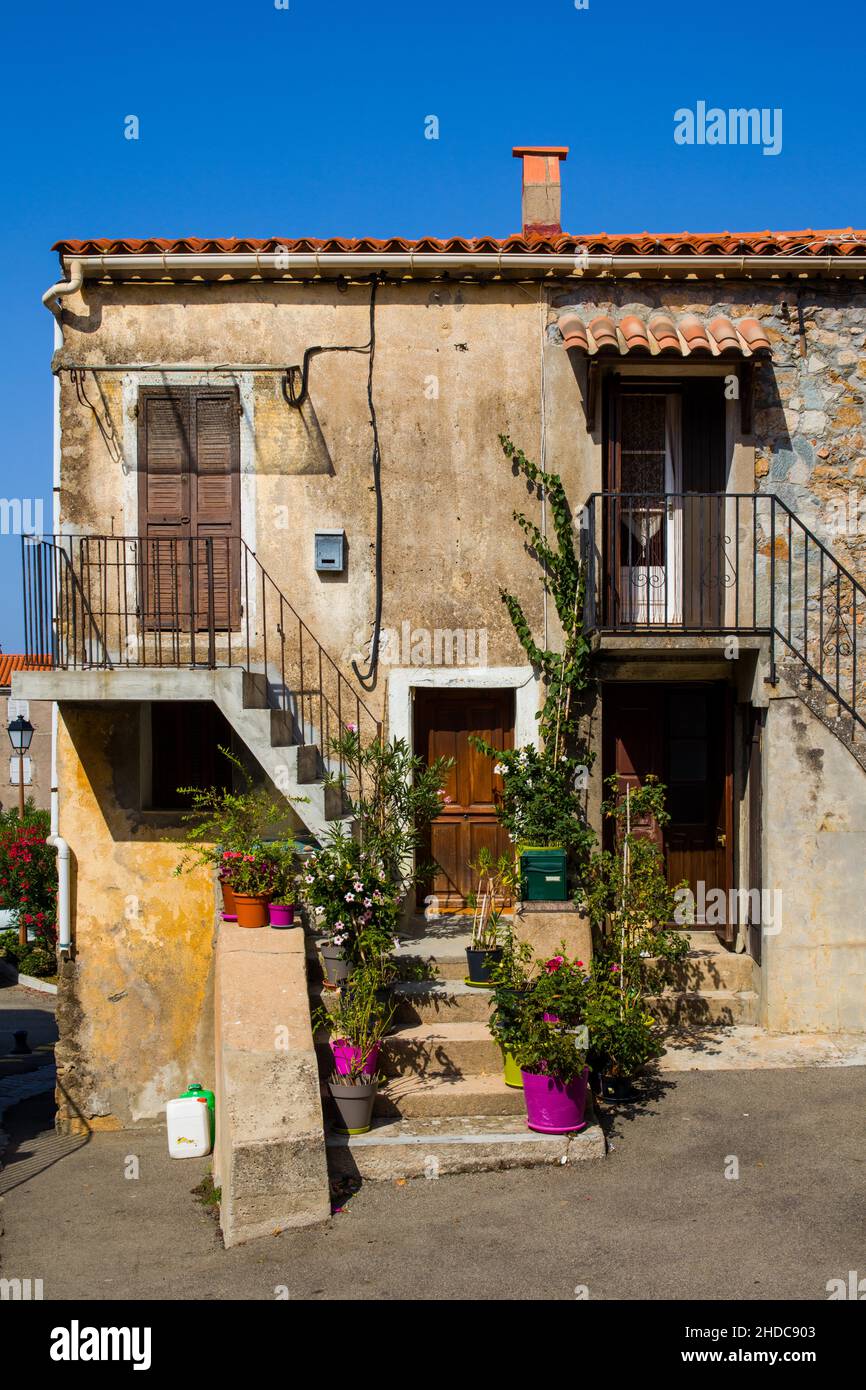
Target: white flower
{"points": [[308, 878], [499, 770], [350, 897], [368, 902], [358, 887]]}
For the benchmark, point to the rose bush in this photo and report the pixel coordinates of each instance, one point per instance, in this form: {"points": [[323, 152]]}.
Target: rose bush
{"points": [[28, 873]]}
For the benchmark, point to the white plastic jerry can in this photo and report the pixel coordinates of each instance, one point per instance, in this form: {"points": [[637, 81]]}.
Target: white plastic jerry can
{"points": [[188, 1127]]}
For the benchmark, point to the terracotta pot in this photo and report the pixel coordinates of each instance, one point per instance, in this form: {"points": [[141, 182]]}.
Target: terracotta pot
{"points": [[229, 912], [251, 909]]}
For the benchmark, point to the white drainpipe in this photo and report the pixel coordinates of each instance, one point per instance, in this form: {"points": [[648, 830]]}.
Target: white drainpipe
{"points": [[64, 913], [52, 296]]}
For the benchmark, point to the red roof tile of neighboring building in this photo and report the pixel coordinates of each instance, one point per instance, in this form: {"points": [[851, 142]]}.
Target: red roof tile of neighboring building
{"points": [[14, 661], [661, 334], [846, 241]]}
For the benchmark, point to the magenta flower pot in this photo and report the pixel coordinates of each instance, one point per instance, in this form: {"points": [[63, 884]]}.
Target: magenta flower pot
{"points": [[281, 914], [553, 1107], [347, 1056]]}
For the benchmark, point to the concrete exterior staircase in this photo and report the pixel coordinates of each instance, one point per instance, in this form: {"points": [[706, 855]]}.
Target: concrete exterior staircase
{"points": [[297, 770], [445, 1107], [710, 987]]}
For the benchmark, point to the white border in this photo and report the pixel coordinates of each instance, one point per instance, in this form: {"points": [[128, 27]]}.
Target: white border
{"points": [[523, 680]]}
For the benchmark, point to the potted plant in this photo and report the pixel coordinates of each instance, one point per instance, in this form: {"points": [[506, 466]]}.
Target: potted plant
{"points": [[512, 980], [223, 823], [630, 905], [623, 1033], [494, 886], [281, 910], [354, 1095], [357, 1024], [355, 885], [549, 1045], [252, 878]]}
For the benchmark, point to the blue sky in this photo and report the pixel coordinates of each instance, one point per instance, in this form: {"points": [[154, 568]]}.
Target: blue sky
{"points": [[310, 121]]}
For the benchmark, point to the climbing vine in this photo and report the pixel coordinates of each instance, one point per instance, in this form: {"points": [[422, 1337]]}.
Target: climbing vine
{"points": [[566, 673]]}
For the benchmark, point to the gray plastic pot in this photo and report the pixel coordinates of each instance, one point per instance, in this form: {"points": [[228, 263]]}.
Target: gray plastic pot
{"points": [[337, 970], [354, 1106]]}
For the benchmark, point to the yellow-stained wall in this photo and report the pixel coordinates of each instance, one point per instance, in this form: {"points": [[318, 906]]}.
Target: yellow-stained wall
{"points": [[134, 1004]]}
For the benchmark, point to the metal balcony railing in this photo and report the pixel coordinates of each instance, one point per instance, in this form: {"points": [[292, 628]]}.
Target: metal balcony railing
{"points": [[111, 602], [725, 563]]}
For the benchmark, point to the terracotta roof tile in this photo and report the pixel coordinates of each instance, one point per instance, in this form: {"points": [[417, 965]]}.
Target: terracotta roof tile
{"points": [[14, 661], [685, 338], [837, 242]]}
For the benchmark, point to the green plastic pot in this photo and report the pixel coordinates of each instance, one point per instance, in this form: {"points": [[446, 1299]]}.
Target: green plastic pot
{"points": [[512, 1073]]}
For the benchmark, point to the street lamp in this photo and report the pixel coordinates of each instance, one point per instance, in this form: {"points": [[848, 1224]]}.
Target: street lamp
{"points": [[20, 736]]}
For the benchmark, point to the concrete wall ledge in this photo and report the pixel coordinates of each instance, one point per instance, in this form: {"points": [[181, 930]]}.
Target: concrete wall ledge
{"points": [[269, 1157]]}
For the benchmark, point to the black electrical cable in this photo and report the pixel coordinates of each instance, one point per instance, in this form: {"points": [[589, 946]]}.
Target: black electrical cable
{"points": [[367, 678], [296, 398]]}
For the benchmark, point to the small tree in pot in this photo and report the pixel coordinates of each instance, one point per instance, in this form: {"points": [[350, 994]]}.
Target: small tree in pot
{"points": [[496, 883]]}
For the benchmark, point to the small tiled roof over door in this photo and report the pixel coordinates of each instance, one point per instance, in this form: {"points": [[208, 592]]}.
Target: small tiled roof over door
{"points": [[660, 335]]}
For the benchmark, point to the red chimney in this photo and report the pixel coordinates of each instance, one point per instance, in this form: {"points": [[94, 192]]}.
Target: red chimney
{"points": [[542, 190]]}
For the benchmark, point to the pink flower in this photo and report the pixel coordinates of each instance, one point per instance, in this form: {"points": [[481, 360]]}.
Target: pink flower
{"points": [[553, 964], [353, 728]]}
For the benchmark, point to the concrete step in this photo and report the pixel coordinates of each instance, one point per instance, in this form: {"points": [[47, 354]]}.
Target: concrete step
{"points": [[398, 1149], [455, 1049], [705, 1008], [440, 1093], [447, 967], [708, 969], [450, 1001]]}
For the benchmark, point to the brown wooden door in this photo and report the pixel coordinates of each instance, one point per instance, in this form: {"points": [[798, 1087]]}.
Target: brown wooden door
{"points": [[444, 721], [189, 494], [682, 734]]}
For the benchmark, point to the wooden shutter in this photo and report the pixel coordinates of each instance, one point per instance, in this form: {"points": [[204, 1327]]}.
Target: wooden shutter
{"points": [[704, 564], [189, 492], [164, 505], [216, 510]]}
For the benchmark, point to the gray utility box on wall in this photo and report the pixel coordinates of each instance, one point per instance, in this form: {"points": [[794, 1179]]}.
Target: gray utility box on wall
{"points": [[331, 551]]}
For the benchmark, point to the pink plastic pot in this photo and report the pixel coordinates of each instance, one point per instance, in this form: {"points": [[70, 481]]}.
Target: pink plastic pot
{"points": [[347, 1056], [281, 914], [554, 1108]]}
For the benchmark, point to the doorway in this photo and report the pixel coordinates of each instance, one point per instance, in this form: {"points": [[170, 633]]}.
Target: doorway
{"points": [[443, 724], [683, 734], [665, 504]]}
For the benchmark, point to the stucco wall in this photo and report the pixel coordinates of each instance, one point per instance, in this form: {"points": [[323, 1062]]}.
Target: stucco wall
{"points": [[134, 1006], [814, 967]]}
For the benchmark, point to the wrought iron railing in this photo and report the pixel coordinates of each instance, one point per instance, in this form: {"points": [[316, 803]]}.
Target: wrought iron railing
{"points": [[725, 563], [111, 602]]}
